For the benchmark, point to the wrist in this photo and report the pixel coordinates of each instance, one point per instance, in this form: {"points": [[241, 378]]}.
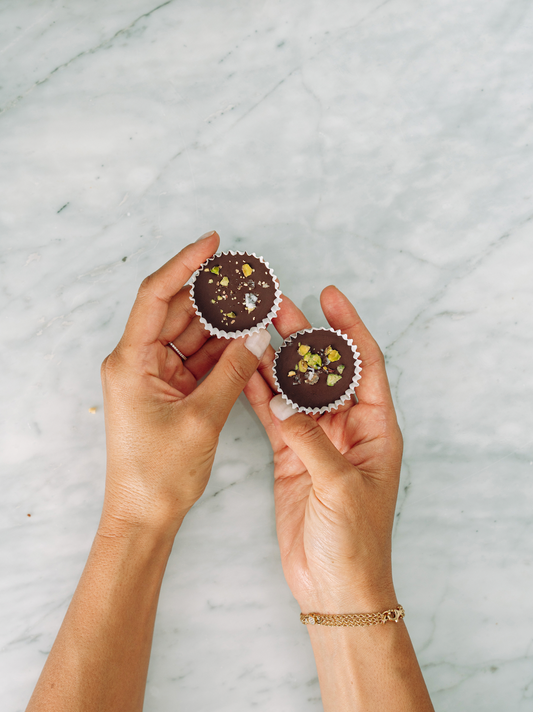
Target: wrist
{"points": [[352, 598], [129, 504], [126, 522]]}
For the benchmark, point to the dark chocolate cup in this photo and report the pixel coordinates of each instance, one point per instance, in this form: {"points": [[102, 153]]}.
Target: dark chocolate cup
{"points": [[222, 330], [291, 393]]}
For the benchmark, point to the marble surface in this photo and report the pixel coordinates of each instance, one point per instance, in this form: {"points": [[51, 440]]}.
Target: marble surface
{"points": [[382, 145]]}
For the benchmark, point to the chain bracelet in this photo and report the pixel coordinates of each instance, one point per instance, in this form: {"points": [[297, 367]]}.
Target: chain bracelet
{"points": [[352, 619]]}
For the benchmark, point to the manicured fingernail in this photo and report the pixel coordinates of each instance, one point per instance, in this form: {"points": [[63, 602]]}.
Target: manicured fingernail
{"points": [[258, 342], [206, 234], [281, 409]]}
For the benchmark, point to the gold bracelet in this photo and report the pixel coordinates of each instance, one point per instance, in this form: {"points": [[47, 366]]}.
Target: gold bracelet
{"points": [[352, 619]]}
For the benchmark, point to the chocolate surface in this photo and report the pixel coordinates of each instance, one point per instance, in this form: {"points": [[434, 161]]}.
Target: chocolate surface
{"points": [[234, 292], [308, 387]]}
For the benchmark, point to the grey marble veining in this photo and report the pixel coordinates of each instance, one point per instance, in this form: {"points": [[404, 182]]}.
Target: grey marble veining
{"points": [[384, 146]]}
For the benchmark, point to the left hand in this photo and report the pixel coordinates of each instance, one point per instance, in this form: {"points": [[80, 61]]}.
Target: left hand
{"points": [[161, 427]]}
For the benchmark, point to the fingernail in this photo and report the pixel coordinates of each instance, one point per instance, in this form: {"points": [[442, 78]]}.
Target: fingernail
{"points": [[206, 234], [258, 342], [281, 409]]}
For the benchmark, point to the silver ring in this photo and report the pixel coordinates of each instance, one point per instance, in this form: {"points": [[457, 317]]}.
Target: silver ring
{"points": [[175, 348]]}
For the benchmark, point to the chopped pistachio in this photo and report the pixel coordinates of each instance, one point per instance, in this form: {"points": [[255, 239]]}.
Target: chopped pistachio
{"points": [[246, 270], [341, 367], [224, 281], [332, 379], [219, 297], [231, 315], [313, 360], [212, 301], [303, 349], [333, 355], [291, 373], [215, 269], [210, 281], [302, 366]]}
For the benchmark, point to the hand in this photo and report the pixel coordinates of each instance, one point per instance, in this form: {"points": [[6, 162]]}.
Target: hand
{"points": [[162, 428], [336, 477]]}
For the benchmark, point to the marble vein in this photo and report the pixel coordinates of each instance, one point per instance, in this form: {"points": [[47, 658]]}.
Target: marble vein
{"points": [[106, 43]]}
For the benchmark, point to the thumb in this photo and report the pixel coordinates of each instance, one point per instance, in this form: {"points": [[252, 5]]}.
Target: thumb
{"points": [[308, 441], [218, 392]]}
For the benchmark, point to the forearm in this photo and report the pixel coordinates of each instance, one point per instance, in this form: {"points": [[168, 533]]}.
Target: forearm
{"points": [[100, 657], [370, 669]]}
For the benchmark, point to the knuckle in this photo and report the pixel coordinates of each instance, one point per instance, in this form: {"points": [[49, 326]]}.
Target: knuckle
{"points": [[106, 367], [146, 288], [236, 373], [200, 422], [146, 284], [306, 429], [111, 369]]}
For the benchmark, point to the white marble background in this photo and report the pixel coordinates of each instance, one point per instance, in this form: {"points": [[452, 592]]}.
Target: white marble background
{"points": [[385, 146]]}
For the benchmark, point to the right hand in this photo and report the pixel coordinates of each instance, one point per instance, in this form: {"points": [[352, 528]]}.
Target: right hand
{"points": [[336, 477]]}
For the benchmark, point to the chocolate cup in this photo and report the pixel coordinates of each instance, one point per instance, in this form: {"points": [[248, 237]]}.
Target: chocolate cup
{"points": [[318, 397], [222, 306]]}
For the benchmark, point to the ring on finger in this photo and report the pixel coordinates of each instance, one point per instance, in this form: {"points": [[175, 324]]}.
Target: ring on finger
{"points": [[175, 348]]}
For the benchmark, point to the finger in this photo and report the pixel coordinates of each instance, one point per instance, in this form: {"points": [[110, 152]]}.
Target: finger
{"points": [[374, 386], [193, 338], [203, 360], [290, 319], [259, 395], [304, 436], [155, 293], [180, 314], [216, 395]]}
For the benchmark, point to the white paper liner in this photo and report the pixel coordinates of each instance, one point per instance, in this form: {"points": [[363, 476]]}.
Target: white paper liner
{"points": [[348, 393], [257, 327]]}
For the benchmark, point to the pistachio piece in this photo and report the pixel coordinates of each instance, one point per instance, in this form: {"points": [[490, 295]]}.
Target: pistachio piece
{"points": [[210, 281], [291, 373], [215, 269], [333, 355], [341, 367], [231, 315], [246, 270], [219, 297], [224, 281], [303, 349], [212, 301], [302, 366], [313, 360], [332, 379]]}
